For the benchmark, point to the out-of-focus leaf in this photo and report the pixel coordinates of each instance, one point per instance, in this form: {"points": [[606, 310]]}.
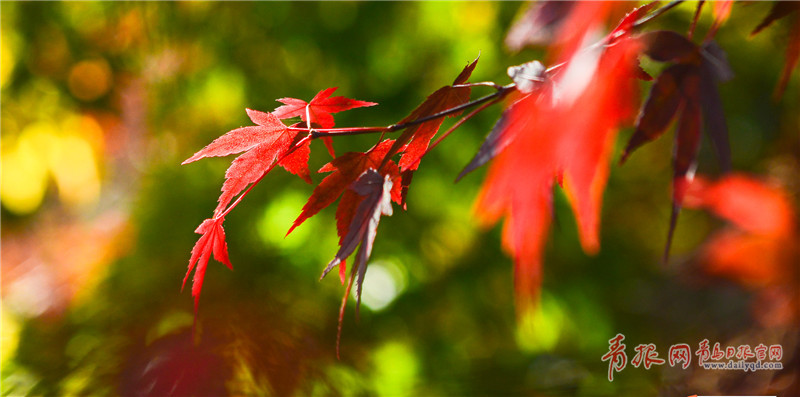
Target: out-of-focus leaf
{"points": [[659, 109], [667, 46], [538, 25]]}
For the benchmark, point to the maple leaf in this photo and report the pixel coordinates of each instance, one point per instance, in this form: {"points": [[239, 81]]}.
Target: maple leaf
{"points": [[688, 84], [781, 9], [533, 76], [266, 144], [357, 218], [529, 78], [759, 248], [569, 138], [319, 110], [376, 192], [344, 169], [211, 242], [417, 137]]}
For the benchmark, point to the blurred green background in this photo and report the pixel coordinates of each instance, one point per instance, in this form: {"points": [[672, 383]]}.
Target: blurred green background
{"points": [[101, 101]]}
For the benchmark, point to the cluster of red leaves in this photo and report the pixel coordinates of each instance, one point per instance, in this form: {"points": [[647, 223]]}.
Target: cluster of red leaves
{"points": [[366, 182], [270, 142], [760, 247], [559, 128]]}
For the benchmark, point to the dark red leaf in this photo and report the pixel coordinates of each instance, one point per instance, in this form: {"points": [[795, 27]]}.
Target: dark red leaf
{"points": [[687, 142], [716, 61], [498, 139], [659, 109], [667, 46], [345, 169], [716, 125], [375, 190], [792, 56], [779, 10]]}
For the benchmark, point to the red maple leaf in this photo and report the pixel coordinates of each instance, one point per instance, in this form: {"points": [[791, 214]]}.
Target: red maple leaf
{"points": [[318, 111], [211, 242], [375, 192], [417, 137], [570, 137], [759, 249], [266, 144], [345, 170]]}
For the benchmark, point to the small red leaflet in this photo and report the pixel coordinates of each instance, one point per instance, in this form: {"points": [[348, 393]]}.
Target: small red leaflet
{"points": [[317, 113]]}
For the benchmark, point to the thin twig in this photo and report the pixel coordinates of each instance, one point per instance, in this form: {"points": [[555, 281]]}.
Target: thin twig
{"points": [[458, 124]]}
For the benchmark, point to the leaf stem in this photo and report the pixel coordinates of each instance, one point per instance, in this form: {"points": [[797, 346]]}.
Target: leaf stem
{"points": [[694, 20], [656, 13], [502, 91], [458, 124]]}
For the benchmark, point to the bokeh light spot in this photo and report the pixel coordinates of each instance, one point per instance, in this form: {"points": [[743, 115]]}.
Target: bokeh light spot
{"points": [[396, 369], [75, 171], [383, 282], [24, 169], [8, 59], [90, 79], [539, 329]]}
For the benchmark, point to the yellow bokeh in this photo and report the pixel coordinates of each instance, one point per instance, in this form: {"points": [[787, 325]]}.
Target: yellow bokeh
{"points": [[43, 149], [24, 169], [7, 59], [73, 166]]}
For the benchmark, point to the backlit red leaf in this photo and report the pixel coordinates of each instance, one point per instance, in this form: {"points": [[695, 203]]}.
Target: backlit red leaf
{"points": [[721, 10], [748, 203], [418, 137], [319, 109], [345, 170], [211, 242], [244, 138], [251, 166], [572, 138], [761, 249]]}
